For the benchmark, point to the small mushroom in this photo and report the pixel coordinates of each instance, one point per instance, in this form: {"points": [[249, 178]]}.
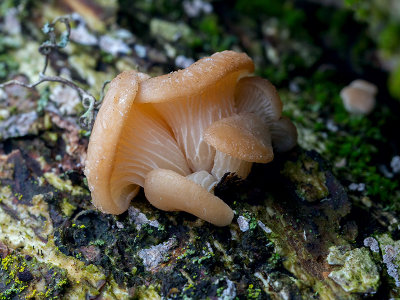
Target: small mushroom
{"points": [[359, 97], [240, 140], [176, 135], [257, 95]]}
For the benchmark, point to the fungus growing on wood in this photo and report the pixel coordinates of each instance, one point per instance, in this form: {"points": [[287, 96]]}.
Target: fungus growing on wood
{"points": [[192, 99], [239, 141], [359, 97], [128, 140], [176, 135]]}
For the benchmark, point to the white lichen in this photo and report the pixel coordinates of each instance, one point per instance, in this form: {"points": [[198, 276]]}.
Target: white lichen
{"points": [[372, 244], [155, 255], [243, 223], [140, 219]]}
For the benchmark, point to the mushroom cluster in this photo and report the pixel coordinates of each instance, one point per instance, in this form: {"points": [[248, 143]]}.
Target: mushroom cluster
{"points": [[176, 136]]}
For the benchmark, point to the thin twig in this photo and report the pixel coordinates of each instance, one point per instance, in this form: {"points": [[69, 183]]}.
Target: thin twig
{"points": [[87, 99], [102, 93], [47, 47]]}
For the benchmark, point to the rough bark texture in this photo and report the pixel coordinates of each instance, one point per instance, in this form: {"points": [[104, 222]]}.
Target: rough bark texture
{"points": [[305, 226]]}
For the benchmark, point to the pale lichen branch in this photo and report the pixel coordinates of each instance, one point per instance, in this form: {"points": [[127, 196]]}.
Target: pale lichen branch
{"points": [[46, 48]]}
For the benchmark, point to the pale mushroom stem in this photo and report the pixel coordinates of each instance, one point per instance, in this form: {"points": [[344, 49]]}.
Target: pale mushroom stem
{"points": [[205, 179], [189, 118], [224, 163], [167, 190]]}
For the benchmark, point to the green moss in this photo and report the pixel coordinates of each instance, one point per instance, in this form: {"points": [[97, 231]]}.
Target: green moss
{"points": [[64, 185], [150, 292], [170, 31], [8, 65], [394, 82], [67, 208], [17, 273], [43, 100], [387, 40], [253, 293], [353, 146]]}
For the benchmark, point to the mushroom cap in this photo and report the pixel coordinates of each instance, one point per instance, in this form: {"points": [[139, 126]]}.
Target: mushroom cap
{"points": [[357, 101], [108, 127], [258, 95], [284, 134], [365, 85], [167, 190], [204, 179], [244, 136], [196, 78]]}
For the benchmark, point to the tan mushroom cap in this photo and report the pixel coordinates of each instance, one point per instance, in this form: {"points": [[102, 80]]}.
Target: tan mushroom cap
{"points": [[284, 135], [258, 95], [190, 100], [244, 136], [357, 101], [196, 78], [365, 85], [108, 126], [359, 97], [167, 190]]}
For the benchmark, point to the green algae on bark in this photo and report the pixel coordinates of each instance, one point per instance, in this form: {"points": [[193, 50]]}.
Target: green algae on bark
{"points": [[24, 277], [358, 274], [309, 180], [288, 214]]}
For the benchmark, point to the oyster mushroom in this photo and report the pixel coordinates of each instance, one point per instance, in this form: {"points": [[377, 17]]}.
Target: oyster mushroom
{"points": [[176, 135], [192, 99]]}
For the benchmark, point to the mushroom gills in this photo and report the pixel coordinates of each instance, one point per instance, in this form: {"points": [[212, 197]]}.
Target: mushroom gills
{"points": [[145, 144], [188, 118], [257, 95], [205, 179], [167, 190]]}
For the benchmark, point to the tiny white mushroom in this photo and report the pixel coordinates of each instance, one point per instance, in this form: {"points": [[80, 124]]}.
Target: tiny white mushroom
{"points": [[359, 97]]}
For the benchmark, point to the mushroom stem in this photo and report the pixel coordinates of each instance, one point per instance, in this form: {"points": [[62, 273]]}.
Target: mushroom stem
{"points": [[205, 179], [167, 190], [224, 163]]}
